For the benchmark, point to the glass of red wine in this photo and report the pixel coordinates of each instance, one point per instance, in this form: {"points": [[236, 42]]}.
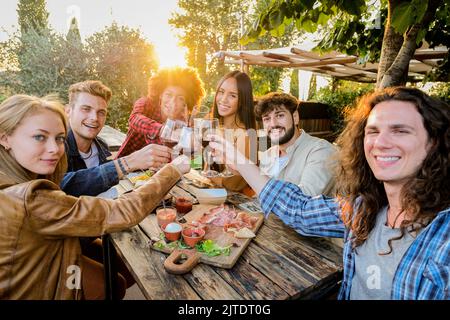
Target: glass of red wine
{"points": [[170, 133], [207, 128]]}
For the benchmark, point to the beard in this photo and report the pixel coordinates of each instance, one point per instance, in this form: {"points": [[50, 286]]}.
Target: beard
{"points": [[286, 137]]}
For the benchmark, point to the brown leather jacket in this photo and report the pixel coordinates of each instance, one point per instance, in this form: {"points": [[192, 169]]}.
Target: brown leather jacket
{"points": [[40, 225]]}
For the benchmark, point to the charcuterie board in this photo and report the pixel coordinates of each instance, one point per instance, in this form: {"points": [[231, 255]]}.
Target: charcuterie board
{"points": [[216, 233]]}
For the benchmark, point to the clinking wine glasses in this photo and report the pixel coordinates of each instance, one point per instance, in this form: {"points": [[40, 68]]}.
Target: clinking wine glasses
{"points": [[170, 133], [203, 129]]}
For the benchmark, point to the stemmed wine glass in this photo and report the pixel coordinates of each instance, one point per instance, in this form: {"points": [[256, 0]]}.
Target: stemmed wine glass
{"points": [[170, 133], [227, 172], [205, 128]]}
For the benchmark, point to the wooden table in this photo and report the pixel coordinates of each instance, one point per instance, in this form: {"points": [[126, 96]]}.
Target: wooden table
{"points": [[278, 264]]}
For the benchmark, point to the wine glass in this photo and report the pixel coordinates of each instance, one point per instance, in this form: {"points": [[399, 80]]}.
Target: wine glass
{"points": [[170, 133], [205, 128], [227, 172]]}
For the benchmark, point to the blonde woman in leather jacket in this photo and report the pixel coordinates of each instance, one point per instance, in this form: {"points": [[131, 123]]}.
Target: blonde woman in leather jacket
{"points": [[40, 256]]}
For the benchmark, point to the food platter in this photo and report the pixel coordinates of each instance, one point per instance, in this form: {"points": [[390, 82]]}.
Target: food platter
{"points": [[221, 233]]}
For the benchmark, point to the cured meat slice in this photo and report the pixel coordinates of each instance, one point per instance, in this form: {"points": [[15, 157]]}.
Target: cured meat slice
{"points": [[218, 216], [242, 220], [228, 218]]}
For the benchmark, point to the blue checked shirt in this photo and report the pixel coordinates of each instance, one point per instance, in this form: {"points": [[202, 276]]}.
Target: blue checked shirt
{"points": [[424, 271]]}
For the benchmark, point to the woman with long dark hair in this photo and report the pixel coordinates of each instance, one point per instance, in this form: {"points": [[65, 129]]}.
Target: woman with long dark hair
{"points": [[234, 107]]}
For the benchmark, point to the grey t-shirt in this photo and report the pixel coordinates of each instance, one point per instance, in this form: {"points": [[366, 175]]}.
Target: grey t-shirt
{"points": [[374, 273]]}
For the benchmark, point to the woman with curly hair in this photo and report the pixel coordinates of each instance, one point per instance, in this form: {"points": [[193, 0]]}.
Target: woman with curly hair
{"points": [[393, 204], [172, 94]]}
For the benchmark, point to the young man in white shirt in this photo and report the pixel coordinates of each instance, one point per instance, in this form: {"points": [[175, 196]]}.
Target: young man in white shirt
{"points": [[295, 156]]}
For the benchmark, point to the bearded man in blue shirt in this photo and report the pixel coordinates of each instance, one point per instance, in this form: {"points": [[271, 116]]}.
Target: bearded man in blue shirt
{"points": [[392, 205]]}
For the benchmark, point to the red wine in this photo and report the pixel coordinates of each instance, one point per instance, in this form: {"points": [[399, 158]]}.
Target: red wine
{"points": [[217, 167], [205, 143], [169, 143]]}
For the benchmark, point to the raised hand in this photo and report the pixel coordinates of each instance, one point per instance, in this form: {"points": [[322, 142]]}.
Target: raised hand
{"points": [[225, 152], [152, 156], [183, 163]]}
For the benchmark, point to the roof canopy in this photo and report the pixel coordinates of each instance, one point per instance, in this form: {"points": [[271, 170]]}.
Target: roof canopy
{"points": [[333, 63]]}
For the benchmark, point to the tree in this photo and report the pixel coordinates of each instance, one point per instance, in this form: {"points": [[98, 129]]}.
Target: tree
{"points": [[71, 60], [47, 63], [209, 26], [294, 83], [347, 26], [33, 69], [73, 35], [33, 15], [122, 59], [118, 56]]}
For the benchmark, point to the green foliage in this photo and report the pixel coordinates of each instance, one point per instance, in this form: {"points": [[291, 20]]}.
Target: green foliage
{"points": [[442, 91], [73, 36], [307, 15], [357, 27], [312, 86], [37, 72], [294, 83], [32, 15], [407, 14], [265, 80], [123, 60], [40, 64], [212, 249], [209, 26], [341, 96], [439, 33]]}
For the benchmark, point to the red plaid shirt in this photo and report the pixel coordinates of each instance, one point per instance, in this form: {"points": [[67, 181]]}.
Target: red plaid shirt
{"points": [[143, 127]]}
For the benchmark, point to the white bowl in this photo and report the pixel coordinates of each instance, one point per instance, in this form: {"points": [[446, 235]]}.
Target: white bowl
{"points": [[211, 196]]}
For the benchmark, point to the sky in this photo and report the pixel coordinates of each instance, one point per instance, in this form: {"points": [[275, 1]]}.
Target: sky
{"points": [[150, 16]]}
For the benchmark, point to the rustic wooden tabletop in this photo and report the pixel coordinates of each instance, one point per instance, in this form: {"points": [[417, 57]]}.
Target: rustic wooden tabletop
{"points": [[278, 264]]}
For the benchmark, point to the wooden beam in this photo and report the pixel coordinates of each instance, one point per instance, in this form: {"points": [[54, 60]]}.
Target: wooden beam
{"points": [[280, 57], [429, 55], [266, 63], [431, 63], [312, 55], [231, 55], [325, 62], [261, 58]]}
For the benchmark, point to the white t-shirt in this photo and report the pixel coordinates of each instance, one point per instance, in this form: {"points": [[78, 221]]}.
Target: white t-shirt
{"points": [[90, 158], [278, 166]]}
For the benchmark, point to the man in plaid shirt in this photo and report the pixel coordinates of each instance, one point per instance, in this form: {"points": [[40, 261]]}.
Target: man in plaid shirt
{"points": [[393, 204], [172, 94]]}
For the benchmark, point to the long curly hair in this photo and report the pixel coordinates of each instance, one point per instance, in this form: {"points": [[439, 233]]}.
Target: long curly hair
{"points": [[423, 196], [186, 78]]}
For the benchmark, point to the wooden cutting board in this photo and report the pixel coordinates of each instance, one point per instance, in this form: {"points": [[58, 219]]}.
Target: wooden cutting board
{"points": [[221, 238]]}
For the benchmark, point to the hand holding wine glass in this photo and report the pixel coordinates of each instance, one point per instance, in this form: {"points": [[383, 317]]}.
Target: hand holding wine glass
{"points": [[170, 132], [207, 128], [226, 152]]}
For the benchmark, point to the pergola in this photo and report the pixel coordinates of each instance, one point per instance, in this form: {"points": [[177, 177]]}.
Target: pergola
{"points": [[334, 64]]}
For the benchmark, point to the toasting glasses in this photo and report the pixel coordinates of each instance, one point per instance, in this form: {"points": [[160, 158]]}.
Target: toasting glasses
{"points": [[170, 133], [204, 128]]}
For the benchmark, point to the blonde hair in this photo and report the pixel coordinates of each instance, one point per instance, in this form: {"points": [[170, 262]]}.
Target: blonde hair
{"points": [[12, 112], [94, 87]]}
